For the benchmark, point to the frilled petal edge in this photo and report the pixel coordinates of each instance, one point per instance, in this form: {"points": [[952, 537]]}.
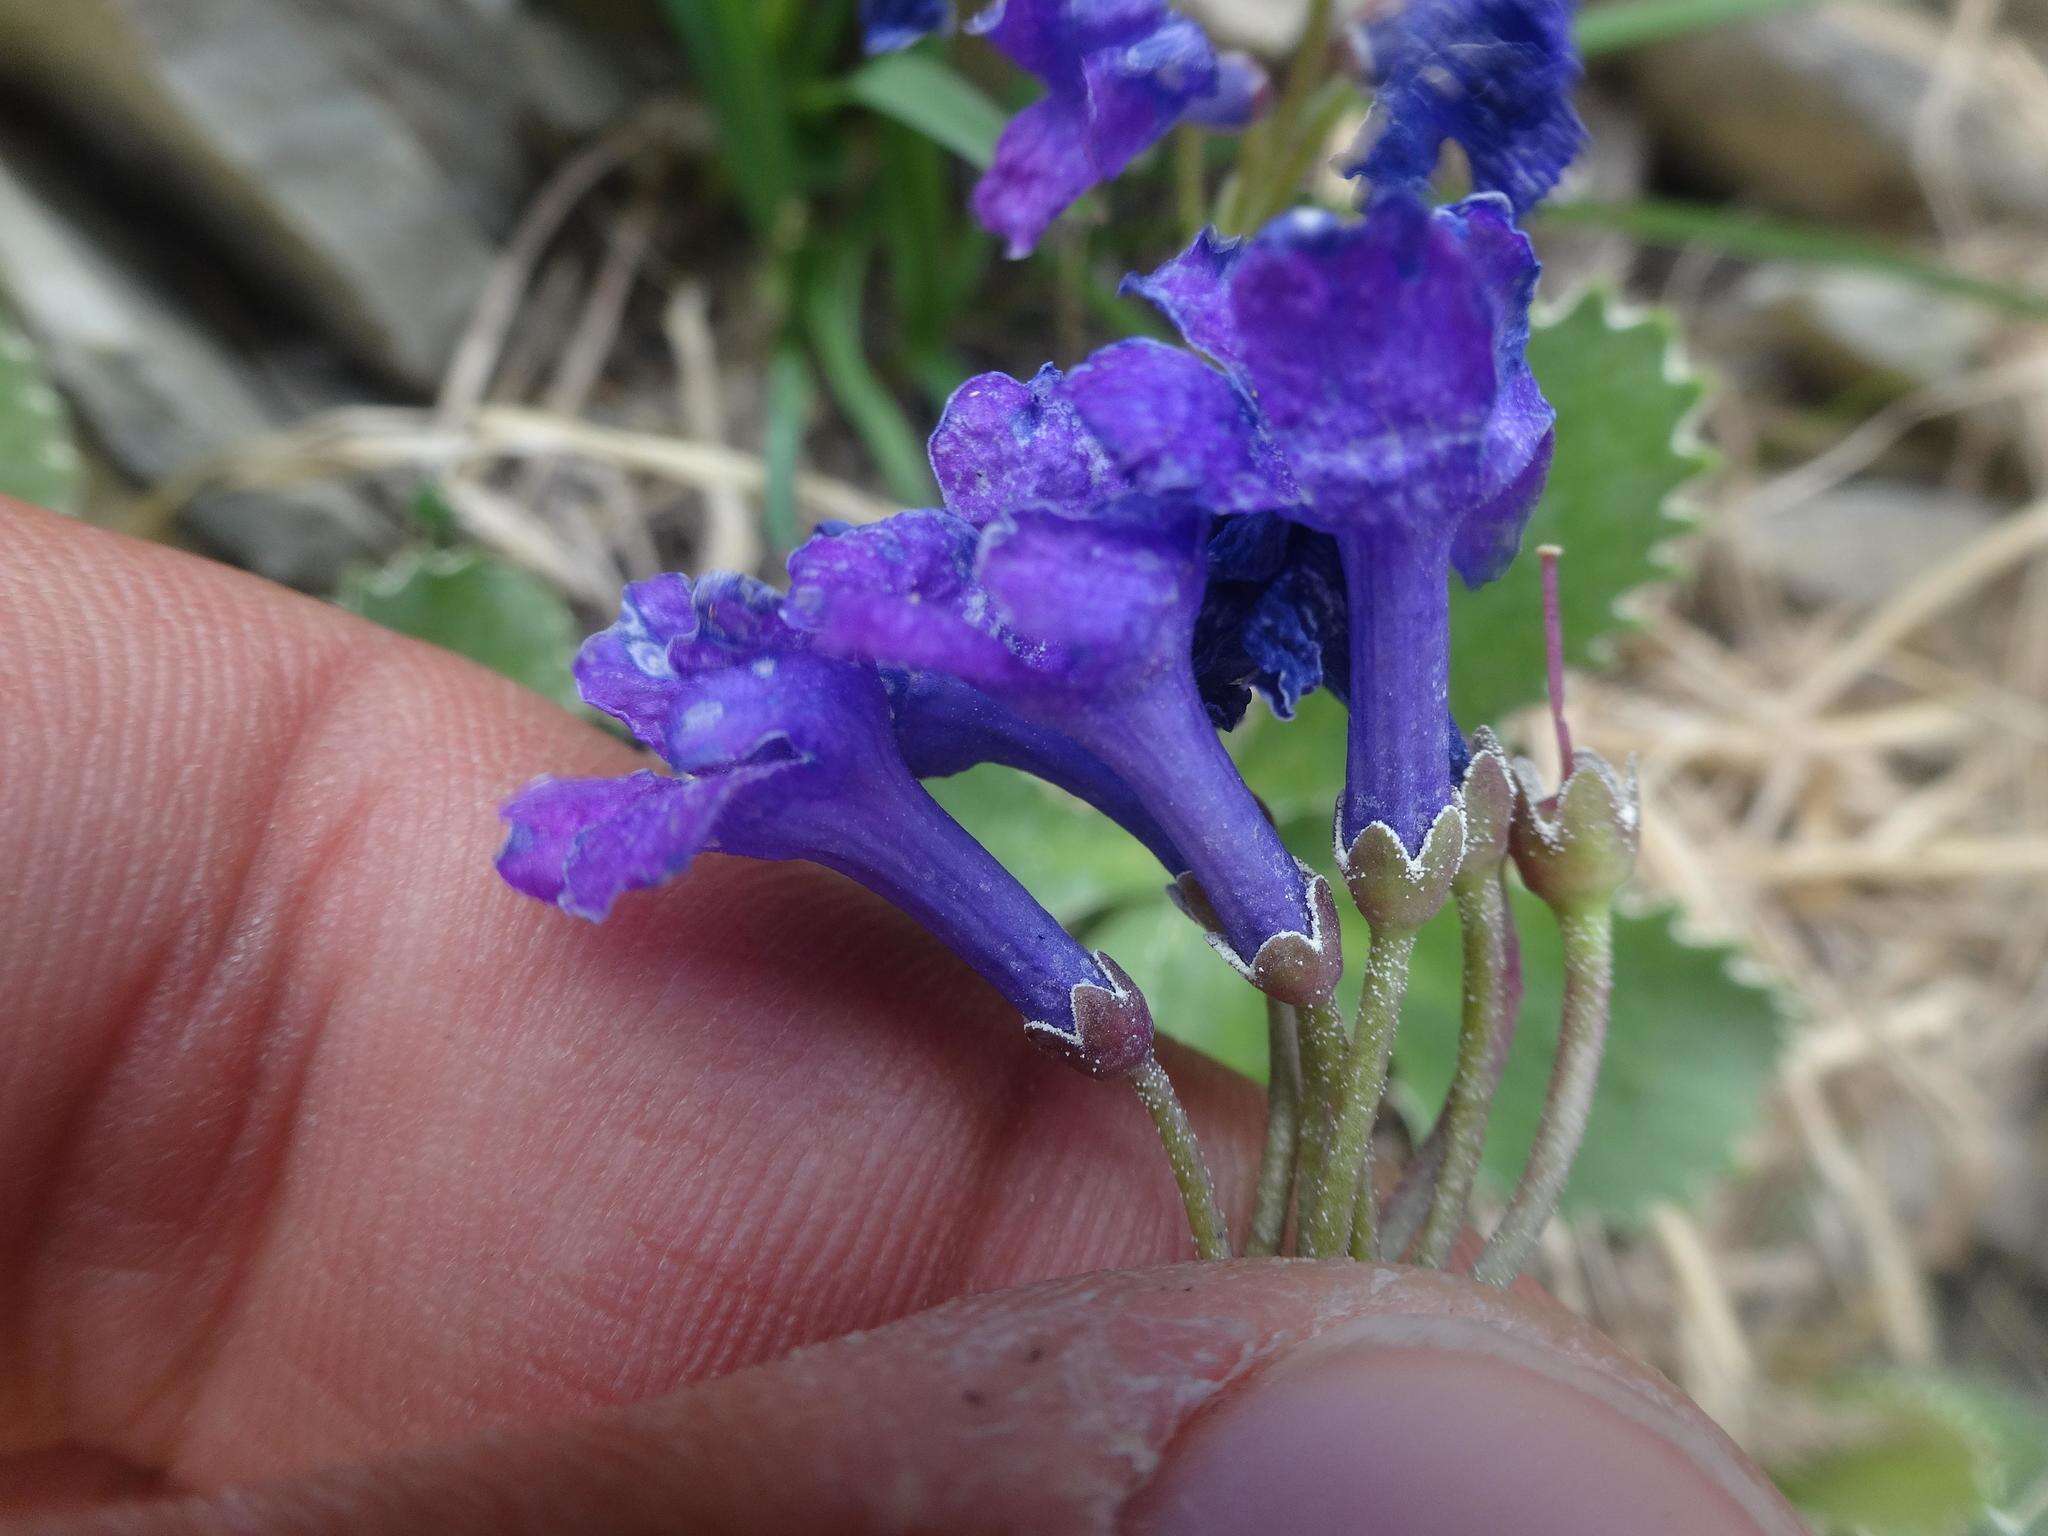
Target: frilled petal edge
{"points": [[1175, 426], [625, 670], [580, 844]]}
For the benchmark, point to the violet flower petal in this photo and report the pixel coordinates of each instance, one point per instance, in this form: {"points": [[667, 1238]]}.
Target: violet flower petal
{"points": [[1118, 75], [1243, 92], [1496, 76], [889, 25], [1002, 444], [580, 844]]}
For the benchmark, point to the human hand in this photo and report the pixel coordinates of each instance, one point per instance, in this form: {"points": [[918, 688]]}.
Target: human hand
{"points": [[330, 1166]]}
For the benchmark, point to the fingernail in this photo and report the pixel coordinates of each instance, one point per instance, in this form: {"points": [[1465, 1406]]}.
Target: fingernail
{"points": [[1433, 1427]]}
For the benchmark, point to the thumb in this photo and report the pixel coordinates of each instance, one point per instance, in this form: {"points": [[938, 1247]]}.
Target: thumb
{"points": [[1191, 1401]]}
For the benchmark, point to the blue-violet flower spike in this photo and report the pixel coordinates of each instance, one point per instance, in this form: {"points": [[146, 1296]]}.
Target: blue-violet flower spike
{"points": [[889, 25], [1065, 585], [1496, 76], [1386, 357], [786, 753], [1118, 75]]}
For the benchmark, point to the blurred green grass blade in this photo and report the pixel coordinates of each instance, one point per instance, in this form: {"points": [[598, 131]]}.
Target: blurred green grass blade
{"points": [[791, 393], [925, 94], [832, 318], [39, 458], [1758, 237], [733, 60], [1608, 28]]}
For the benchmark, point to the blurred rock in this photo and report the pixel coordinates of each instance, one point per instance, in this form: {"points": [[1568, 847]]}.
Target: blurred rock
{"points": [[1862, 541], [157, 391], [1851, 325], [1268, 27], [1814, 111], [1615, 166], [362, 155]]}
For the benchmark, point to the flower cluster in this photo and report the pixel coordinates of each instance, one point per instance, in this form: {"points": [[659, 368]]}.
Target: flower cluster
{"points": [[1127, 551]]}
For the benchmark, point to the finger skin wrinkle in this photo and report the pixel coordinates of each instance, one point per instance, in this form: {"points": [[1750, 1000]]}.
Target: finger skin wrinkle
{"points": [[157, 1206]]}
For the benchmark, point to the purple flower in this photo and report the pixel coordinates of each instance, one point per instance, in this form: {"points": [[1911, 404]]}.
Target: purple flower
{"points": [[784, 752], [1118, 75], [1063, 584], [887, 25], [1386, 359], [1496, 76], [1272, 618]]}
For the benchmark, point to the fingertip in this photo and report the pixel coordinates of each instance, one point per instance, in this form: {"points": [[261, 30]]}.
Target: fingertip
{"points": [[1445, 1425]]}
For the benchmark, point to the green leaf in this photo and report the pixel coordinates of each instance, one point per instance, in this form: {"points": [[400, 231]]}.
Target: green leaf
{"points": [[1631, 23], [732, 58], [1622, 405], [476, 606], [791, 393], [1758, 237], [39, 459], [832, 314], [923, 93], [1921, 1454], [1691, 1052]]}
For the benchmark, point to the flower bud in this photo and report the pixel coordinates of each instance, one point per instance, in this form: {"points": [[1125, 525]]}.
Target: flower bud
{"points": [[1488, 795], [1578, 847]]}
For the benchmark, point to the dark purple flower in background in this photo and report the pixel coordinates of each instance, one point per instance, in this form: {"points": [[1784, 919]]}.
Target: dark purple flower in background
{"points": [[786, 753], [887, 25], [1386, 360], [1494, 76], [1118, 75], [1272, 619], [1063, 583]]}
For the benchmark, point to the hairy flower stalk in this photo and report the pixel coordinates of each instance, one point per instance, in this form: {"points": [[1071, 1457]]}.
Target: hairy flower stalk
{"points": [[1587, 933], [1574, 850], [1415, 1195], [1197, 1190], [1397, 892], [1275, 1191], [1486, 930]]}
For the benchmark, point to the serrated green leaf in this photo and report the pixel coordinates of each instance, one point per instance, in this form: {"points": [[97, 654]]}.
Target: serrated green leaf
{"points": [[39, 459], [1691, 1052], [476, 606], [1924, 1454], [1621, 406], [925, 94]]}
